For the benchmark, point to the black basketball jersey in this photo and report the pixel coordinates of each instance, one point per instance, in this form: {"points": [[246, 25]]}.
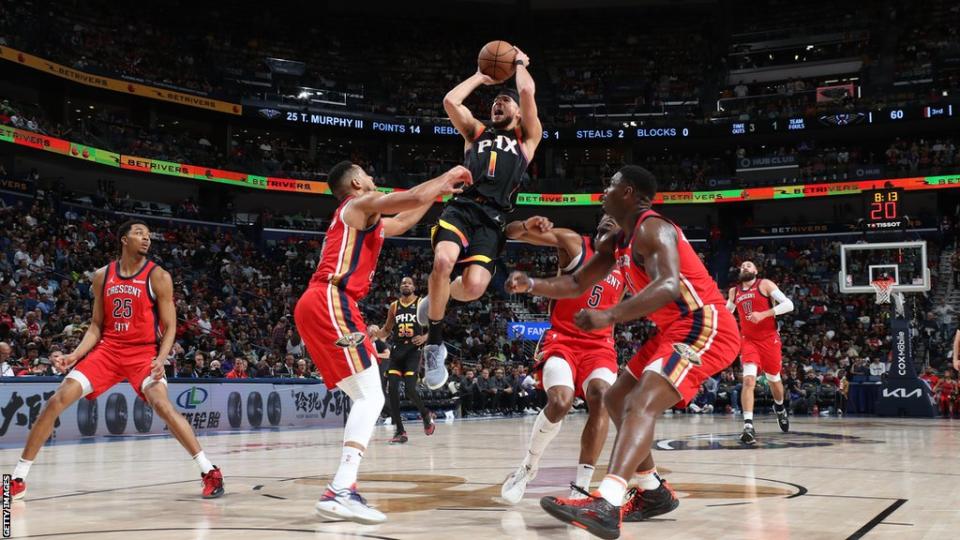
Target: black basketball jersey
{"points": [[405, 325], [497, 163]]}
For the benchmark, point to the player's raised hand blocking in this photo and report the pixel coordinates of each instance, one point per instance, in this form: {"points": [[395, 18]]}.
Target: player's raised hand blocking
{"points": [[518, 282], [456, 179], [538, 223]]}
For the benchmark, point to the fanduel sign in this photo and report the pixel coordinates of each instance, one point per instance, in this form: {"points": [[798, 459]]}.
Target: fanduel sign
{"points": [[526, 330]]}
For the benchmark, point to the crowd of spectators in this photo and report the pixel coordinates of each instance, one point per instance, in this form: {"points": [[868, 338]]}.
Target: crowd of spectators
{"points": [[235, 294]]}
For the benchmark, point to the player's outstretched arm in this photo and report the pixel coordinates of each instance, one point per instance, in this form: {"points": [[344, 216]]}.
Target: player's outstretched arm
{"points": [[656, 244], [162, 285], [459, 114], [568, 285], [529, 118], [539, 231], [449, 183], [94, 332], [415, 202]]}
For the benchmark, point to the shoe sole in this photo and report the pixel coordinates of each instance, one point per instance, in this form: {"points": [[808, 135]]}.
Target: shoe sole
{"points": [[215, 495], [19, 496], [674, 504], [343, 513], [557, 512]]}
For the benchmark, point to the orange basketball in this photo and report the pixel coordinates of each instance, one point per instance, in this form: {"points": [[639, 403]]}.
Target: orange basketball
{"points": [[496, 60]]}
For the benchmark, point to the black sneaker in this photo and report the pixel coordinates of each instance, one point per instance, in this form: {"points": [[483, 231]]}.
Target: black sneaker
{"points": [[782, 418], [592, 513], [749, 436], [646, 503], [399, 437]]}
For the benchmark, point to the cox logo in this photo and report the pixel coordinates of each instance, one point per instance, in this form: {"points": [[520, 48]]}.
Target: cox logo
{"points": [[192, 398]]}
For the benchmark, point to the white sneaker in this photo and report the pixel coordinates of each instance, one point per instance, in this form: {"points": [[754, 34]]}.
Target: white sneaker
{"points": [[436, 373], [423, 311], [348, 504], [516, 484]]}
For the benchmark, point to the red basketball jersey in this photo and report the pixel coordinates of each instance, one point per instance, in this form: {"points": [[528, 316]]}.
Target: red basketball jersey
{"points": [[603, 295], [130, 315], [749, 300], [348, 258], [697, 288]]}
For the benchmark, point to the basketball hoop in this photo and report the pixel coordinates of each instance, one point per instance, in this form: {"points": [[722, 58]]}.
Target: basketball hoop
{"points": [[883, 288]]}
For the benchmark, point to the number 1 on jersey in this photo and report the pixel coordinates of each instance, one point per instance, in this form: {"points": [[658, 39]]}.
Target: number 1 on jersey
{"points": [[492, 166]]}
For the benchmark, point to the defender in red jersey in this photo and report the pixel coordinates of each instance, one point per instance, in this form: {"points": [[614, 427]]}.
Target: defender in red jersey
{"points": [[329, 320], [571, 361], [758, 301], [697, 338], [130, 336]]}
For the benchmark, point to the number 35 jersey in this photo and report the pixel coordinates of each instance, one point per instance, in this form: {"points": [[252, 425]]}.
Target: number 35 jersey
{"points": [[130, 316], [604, 295]]}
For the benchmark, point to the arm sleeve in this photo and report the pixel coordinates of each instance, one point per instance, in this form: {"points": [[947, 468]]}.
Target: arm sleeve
{"points": [[784, 304]]}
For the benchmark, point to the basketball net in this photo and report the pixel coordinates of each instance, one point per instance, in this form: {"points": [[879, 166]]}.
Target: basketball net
{"points": [[883, 288]]}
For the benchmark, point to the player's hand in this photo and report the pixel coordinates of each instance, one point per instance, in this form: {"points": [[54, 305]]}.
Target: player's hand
{"points": [[373, 331], [592, 319], [455, 180], [419, 340], [538, 224], [156, 368], [487, 80], [63, 362], [518, 282], [757, 316], [522, 56]]}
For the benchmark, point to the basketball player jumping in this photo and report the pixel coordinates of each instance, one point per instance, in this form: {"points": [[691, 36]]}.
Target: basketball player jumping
{"points": [[571, 361], [329, 319], [407, 338], [758, 301], [470, 229], [697, 338], [131, 333]]}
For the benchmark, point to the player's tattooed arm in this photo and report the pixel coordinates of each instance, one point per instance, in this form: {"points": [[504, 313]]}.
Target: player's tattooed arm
{"points": [[409, 205], [529, 117], [656, 244], [162, 285], [94, 332], [567, 285], [460, 115]]}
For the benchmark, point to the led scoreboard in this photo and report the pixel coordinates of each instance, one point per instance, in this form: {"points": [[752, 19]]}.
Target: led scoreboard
{"points": [[883, 208]]}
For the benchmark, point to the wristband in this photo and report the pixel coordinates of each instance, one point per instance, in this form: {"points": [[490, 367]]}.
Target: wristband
{"points": [[530, 288], [519, 62]]}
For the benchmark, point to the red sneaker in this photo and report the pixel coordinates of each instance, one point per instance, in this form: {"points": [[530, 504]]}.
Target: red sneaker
{"points": [[212, 483], [429, 424], [18, 488]]}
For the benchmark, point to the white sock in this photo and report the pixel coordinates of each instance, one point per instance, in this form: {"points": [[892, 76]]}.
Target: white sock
{"points": [[612, 488], [648, 479], [584, 475], [22, 469], [349, 466], [778, 402], [202, 462], [543, 432], [748, 416]]}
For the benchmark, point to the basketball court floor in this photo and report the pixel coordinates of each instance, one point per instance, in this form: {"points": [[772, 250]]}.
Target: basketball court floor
{"points": [[828, 478]]}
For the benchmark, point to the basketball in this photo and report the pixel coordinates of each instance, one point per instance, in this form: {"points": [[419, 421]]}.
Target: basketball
{"points": [[496, 60]]}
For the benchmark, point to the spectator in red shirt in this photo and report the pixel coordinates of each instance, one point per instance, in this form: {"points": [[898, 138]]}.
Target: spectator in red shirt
{"points": [[239, 370], [930, 377]]}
